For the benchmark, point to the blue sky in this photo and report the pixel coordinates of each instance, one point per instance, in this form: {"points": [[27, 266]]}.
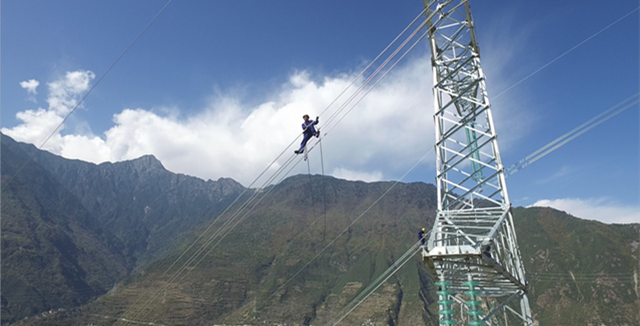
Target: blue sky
{"points": [[216, 89]]}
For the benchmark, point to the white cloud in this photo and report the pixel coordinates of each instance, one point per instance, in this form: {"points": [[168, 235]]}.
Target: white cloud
{"points": [[599, 209], [387, 131], [30, 85], [38, 124], [64, 94], [347, 174], [384, 135]]}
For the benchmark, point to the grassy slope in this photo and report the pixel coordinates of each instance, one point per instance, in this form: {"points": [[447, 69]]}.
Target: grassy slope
{"points": [[248, 278], [53, 254], [581, 272], [247, 272]]}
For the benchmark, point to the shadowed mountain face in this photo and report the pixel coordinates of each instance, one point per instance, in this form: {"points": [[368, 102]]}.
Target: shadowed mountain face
{"points": [[258, 267], [84, 226], [142, 203], [54, 253], [285, 261]]}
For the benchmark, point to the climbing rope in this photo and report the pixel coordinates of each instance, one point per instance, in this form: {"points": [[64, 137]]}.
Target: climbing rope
{"points": [[313, 204], [284, 284], [324, 191], [230, 223]]}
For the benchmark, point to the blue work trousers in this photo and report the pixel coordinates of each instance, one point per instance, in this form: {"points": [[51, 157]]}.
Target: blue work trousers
{"points": [[305, 139]]}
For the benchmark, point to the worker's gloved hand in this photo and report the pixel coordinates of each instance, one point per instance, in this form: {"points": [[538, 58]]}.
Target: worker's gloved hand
{"points": [[317, 119]]}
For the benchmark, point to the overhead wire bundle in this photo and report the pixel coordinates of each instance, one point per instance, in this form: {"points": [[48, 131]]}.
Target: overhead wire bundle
{"points": [[209, 239], [372, 80], [626, 104], [373, 286], [242, 206]]}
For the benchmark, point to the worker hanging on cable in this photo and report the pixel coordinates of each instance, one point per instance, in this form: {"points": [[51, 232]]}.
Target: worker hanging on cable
{"points": [[308, 131]]}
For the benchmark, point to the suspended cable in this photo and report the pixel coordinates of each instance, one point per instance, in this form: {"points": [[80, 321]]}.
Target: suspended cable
{"points": [[382, 66], [529, 163], [375, 60], [377, 82], [335, 114], [226, 232], [205, 232], [408, 255], [247, 188], [368, 290], [88, 92], [222, 230], [225, 229], [565, 53], [377, 71], [343, 231], [574, 133], [229, 221]]}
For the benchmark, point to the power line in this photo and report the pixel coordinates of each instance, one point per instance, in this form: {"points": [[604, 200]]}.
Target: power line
{"points": [[193, 257], [622, 106], [367, 292], [344, 105], [343, 231], [323, 111], [89, 92], [565, 53]]}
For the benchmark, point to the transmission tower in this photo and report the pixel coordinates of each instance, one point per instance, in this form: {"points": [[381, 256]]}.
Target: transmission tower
{"points": [[472, 248]]}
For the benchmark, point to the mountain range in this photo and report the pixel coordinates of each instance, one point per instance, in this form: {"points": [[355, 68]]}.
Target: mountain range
{"points": [[111, 243]]}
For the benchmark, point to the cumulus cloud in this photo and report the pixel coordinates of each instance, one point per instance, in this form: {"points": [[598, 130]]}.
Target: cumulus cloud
{"points": [[599, 209], [30, 85], [64, 94], [387, 131], [382, 137], [347, 174], [36, 125]]}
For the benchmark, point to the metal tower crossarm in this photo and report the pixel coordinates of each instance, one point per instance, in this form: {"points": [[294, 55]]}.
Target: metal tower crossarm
{"points": [[473, 240]]}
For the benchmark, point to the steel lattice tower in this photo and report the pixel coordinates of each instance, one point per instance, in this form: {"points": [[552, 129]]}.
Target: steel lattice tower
{"points": [[472, 248]]}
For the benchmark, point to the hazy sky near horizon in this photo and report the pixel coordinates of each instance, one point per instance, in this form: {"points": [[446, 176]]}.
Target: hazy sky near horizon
{"points": [[217, 89]]}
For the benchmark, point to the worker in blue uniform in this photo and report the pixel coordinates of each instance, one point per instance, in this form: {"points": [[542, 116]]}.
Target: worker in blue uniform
{"points": [[421, 235], [308, 131]]}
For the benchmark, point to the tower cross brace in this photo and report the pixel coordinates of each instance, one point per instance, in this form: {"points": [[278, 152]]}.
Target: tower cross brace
{"points": [[472, 248]]}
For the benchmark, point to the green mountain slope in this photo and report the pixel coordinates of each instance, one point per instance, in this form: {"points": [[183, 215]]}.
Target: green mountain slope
{"points": [[54, 255], [581, 272], [71, 229], [139, 201], [247, 272]]}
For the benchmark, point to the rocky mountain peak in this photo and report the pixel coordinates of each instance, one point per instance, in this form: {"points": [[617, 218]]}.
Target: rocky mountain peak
{"points": [[147, 162]]}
